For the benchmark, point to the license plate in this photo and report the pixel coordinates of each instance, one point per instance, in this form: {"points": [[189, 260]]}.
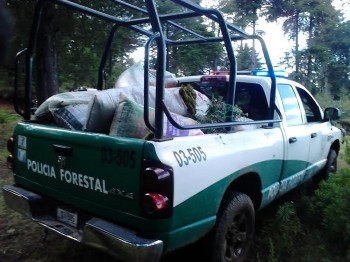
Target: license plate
{"points": [[67, 217]]}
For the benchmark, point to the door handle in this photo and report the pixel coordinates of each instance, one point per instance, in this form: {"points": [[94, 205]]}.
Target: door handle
{"points": [[292, 140], [313, 135]]}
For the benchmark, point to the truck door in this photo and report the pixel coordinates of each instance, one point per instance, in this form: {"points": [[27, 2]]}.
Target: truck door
{"points": [[318, 130], [297, 139]]}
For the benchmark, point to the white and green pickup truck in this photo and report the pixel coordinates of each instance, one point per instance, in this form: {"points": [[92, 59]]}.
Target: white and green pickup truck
{"points": [[140, 197]]}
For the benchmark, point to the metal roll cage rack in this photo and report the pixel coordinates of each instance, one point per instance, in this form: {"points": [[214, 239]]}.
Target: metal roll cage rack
{"points": [[155, 35]]}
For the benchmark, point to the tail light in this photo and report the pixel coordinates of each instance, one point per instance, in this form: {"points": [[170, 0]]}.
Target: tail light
{"points": [[11, 156], [154, 202], [157, 191]]}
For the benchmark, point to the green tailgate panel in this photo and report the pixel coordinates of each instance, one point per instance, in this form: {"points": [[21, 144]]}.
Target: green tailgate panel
{"points": [[96, 172]]}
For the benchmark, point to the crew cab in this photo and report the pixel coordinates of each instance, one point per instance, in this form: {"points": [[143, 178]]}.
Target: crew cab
{"points": [[140, 179]]}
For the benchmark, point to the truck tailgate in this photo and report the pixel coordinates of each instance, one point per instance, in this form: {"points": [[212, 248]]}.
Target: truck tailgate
{"points": [[95, 172]]}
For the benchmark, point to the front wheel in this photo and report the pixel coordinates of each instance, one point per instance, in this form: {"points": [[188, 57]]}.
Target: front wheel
{"points": [[332, 161], [234, 230], [331, 165]]}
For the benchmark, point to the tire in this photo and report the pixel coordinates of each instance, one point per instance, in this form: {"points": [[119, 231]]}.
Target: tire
{"points": [[331, 165], [234, 231]]}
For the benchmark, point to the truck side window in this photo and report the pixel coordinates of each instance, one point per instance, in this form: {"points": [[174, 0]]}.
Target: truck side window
{"points": [[312, 110], [290, 104]]}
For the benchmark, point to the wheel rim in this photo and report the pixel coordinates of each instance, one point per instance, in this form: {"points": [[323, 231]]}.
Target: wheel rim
{"points": [[333, 167], [236, 237]]}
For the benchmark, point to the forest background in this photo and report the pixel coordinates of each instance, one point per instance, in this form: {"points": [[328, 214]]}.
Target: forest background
{"points": [[70, 45], [301, 227]]}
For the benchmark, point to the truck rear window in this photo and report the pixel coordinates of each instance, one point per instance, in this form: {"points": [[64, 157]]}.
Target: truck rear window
{"points": [[249, 97]]}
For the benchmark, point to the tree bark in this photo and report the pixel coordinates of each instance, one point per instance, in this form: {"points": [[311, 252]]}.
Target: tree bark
{"points": [[309, 57], [297, 62], [254, 62], [46, 59], [5, 30]]}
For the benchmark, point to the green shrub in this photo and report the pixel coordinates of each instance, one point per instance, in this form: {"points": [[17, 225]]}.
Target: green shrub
{"points": [[7, 123], [5, 117], [282, 235], [331, 205], [346, 155]]}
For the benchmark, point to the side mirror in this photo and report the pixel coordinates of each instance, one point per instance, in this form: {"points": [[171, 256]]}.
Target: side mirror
{"points": [[331, 113]]}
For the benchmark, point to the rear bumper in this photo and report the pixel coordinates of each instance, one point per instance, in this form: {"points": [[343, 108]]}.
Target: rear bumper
{"points": [[109, 237]]}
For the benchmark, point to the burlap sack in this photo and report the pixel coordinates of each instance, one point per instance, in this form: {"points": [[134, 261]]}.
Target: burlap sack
{"points": [[128, 121]]}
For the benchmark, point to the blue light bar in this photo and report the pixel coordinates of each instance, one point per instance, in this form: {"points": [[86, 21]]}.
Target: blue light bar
{"points": [[265, 72]]}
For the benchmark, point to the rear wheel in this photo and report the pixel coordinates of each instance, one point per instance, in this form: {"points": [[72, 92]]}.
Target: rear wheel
{"points": [[234, 231]]}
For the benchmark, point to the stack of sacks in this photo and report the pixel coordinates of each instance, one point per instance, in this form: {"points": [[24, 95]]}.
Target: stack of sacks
{"points": [[128, 121], [94, 110], [130, 86], [67, 109], [103, 104]]}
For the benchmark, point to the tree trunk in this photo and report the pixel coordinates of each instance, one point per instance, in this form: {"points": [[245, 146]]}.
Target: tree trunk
{"points": [[297, 45], [5, 30], [309, 57], [46, 59], [254, 62]]}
